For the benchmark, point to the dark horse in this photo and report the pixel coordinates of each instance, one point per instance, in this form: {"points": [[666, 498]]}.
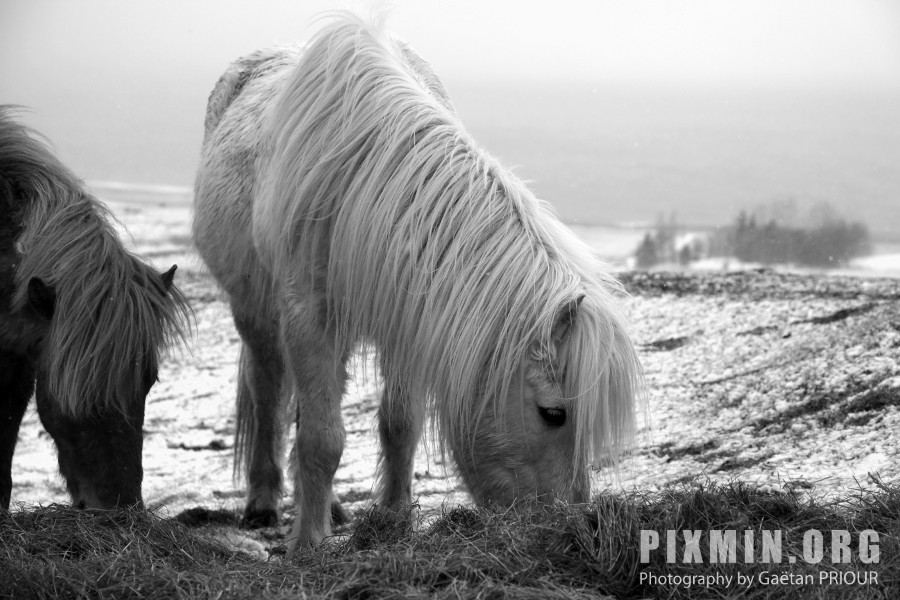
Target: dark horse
{"points": [[82, 324]]}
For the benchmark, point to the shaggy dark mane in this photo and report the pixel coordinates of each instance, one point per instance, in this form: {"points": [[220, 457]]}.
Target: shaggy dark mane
{"points": [[112, 316]]}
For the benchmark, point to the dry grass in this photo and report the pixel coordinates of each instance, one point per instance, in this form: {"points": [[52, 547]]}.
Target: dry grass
{"points": [[529, 551]]}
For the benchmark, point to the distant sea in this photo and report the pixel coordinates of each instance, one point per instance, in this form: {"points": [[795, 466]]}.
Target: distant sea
{"points": [[605, 156]]}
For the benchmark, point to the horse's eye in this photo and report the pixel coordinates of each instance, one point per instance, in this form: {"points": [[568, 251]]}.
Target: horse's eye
{"points": [[554, 417]]}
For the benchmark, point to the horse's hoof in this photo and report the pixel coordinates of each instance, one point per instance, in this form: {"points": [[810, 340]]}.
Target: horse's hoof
{"points": [[259, 518], [339, 514]]}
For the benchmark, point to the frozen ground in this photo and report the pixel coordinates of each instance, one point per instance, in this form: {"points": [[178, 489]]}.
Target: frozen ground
{"points": [[776, 379]]}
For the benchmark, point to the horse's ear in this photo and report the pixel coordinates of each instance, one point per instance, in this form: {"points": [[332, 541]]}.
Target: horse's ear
{"points": [[564, 321], [41, 298], [168, 277]]}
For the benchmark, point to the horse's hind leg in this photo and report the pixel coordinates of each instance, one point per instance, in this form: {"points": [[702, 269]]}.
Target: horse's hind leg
{"points": [[318, 369], [258, 432], [16, 385], [399, 428]]}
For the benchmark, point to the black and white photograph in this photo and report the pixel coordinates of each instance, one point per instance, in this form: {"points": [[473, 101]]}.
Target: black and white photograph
{"points": [[421, 299]]}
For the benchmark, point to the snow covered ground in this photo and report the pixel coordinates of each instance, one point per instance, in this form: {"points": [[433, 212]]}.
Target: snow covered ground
{"points": [[767, 377]]}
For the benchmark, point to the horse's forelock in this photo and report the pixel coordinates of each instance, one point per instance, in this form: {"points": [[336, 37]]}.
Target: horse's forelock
{"points": [[603, 382], [604, 377]]}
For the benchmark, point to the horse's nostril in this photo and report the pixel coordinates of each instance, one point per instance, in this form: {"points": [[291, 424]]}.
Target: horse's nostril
{"points": [[554, 417]]}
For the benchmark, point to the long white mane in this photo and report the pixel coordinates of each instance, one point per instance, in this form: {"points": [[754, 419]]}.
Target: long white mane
{"points": [[370, 188]]}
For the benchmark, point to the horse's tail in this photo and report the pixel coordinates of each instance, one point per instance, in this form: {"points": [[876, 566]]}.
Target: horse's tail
{"points": [[244, 421]]}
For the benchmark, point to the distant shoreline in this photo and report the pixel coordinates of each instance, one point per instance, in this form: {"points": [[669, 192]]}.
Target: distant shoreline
{"points": [[614, 242], [137, 193]]}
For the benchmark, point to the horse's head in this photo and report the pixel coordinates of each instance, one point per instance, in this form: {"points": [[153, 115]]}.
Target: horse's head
{"points": [[525, 444], [98, 434]]}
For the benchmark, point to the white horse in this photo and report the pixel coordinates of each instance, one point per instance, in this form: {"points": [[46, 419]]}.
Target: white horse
{"points": [[339, 200]]}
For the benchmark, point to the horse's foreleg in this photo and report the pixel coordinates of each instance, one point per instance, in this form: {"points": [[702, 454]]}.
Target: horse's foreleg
{"points": [[258, 431], [399, 428], [16, 387], [319, 376]]}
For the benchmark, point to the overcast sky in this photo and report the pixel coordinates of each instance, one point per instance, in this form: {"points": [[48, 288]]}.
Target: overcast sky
{"points": [[758, 42], [120, 87]]}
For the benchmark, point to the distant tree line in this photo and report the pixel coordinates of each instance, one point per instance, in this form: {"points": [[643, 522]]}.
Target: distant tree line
{"points": [[664, 245], [830, 241], [658, 246]]}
